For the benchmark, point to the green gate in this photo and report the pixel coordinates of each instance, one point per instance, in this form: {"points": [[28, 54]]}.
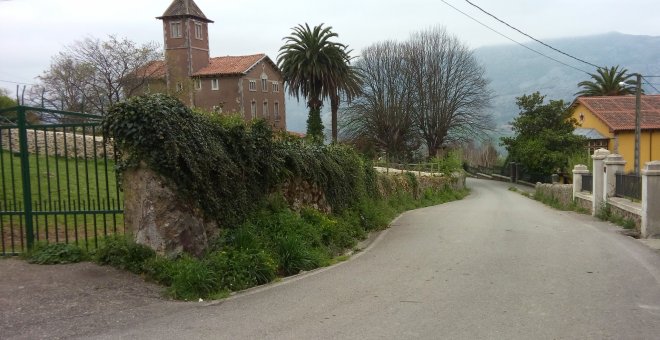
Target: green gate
{"points": [[58, 182]]}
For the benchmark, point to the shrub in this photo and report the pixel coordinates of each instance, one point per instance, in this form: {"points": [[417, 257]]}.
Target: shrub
{"points": [[121, 253], [238, 269], [193, 279], [56, 253]]}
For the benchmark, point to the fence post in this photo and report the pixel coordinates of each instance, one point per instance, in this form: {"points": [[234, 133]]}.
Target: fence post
{"points": [[651, 200], [578, 171], [25, 175], [614, 164], [598, 180]]}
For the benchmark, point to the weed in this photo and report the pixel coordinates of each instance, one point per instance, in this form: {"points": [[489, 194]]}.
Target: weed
{"points": [[56, 253], [193, 279], [121, 253]]}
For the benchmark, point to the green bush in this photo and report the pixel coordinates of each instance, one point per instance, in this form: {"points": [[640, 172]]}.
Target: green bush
{"points": [[56, 253], [238, 269], [121, 253], [193, 279]]}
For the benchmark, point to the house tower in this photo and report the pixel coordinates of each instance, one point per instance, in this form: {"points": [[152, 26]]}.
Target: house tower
{"points": [[185, 32]]}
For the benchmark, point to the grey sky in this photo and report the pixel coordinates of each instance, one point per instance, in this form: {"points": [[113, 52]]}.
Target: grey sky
{"points": [[34, 30]]}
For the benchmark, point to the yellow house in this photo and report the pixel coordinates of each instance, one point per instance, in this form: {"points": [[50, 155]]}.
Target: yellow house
{"points": [[609, 122]]}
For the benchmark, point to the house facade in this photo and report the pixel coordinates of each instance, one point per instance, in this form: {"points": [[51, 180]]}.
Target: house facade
{"points": [[249, 85], [609, 122]]}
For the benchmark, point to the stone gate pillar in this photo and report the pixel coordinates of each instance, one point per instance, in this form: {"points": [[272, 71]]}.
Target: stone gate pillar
{"points": [[599, 180], [614, 164], [578, 171], [651, 200]]}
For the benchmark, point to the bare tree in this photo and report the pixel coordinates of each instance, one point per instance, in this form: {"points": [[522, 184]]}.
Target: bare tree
{"points": [[382, 115], [91, 75], [451, 91], [429, 88]]}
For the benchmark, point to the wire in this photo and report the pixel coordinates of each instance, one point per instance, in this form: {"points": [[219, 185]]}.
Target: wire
{"points": [[651, 85], [529, 36], [15, 82], [505, 36]]}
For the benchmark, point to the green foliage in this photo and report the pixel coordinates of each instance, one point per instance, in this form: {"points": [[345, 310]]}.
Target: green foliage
{"points": [[5, 100], [192, 279], [56, 253], [544, 139], [607, 82], [315, 126], [451, 162], [122, 253]]}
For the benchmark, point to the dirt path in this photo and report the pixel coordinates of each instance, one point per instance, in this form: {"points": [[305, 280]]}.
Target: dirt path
{"points": [[63, 301]]}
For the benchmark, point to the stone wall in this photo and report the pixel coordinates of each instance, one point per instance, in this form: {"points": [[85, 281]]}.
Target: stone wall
{"points": [[158, 218], [584, 203], [563, 193], [76, 145]]}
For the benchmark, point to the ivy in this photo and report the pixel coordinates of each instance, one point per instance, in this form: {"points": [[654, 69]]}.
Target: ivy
{"points": [[224, 166]]}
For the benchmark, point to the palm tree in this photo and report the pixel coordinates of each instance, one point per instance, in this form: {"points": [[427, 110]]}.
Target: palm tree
{"points": [[608, 83], [317, 68]]}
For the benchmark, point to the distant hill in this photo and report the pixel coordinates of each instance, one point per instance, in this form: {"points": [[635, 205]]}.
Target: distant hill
{"points": [[514, 70]]}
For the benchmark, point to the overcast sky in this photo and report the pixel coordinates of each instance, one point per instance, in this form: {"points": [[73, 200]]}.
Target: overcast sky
{"points": [[34, 30]]}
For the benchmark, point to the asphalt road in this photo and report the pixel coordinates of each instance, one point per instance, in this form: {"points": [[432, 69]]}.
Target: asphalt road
{"points": [[495, 265]]}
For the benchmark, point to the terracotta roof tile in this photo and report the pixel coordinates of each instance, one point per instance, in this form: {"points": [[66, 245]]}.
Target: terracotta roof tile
{"points": [[153, 70], [230, 65], [184, 8], [618, 112]]}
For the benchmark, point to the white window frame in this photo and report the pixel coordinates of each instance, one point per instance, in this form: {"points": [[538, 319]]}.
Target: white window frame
{"points": [[215, 84], [198, 84], [276, 110], [179, 87], [265, 109], [253, 109], [264, 84], [252, 86], [175, 29], [276, 86], [199, 31]]}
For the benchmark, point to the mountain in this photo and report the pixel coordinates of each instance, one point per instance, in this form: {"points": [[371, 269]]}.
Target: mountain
{"points": [[515, 70]]}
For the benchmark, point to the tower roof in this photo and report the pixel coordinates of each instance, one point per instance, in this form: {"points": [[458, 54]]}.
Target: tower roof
{"points": [[184, 8]]}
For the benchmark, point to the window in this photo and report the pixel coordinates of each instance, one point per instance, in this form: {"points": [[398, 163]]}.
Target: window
{"points": [[175, 29], [215, 84], [253, 85], [265, 111], [253, 109], [198, 30], [264, 85], [276, 111], [276, 86], [179, 87], [198, 84]]}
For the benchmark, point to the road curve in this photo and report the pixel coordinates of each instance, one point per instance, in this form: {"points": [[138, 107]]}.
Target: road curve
{"points": [[495, 265]]}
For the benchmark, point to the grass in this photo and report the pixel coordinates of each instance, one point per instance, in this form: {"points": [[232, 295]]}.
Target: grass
{"points": [[59, 184], [605, 213]]}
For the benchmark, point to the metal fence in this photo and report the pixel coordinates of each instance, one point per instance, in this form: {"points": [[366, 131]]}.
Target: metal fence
{"points": [[588, 182], [57, 179], [629, 186]]}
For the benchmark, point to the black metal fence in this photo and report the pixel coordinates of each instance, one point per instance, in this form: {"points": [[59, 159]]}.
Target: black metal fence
{"points": [[588, 182], [57, 179], [629, 186]]}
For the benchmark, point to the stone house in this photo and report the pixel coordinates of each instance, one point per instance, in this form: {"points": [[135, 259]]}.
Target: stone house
{"points": [[608, 122], [250, 85]]}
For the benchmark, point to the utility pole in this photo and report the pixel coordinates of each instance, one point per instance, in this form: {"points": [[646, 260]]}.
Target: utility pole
{"points": [[638, 128]]}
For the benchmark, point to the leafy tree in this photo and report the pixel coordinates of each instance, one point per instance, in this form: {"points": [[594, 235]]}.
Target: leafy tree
{"points": [[92, 74], [607, 82], [544, 139], [316, 68], [5, 100]]}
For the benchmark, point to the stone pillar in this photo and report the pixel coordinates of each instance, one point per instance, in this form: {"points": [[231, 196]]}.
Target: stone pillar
{"points": [[599, 180], [614, 164], [578, 171], [651, 200]]}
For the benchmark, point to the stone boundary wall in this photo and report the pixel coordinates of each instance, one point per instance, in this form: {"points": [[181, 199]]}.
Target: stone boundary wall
{"points": [[78, 146], [158, 218], [584, 201], [561, 192], [626, 209]]}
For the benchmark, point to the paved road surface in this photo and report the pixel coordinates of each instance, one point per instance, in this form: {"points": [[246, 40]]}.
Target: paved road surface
{"points": [[495, 265]]}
